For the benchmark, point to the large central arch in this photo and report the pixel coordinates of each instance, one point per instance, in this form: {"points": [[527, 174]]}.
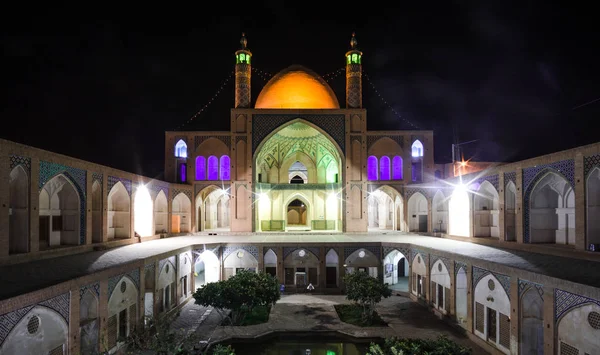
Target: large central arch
{"points": [[298, 143]]}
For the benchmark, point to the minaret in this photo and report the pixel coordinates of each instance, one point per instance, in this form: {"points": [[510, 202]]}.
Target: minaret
{"points": [[242, 75], [353, 75]]}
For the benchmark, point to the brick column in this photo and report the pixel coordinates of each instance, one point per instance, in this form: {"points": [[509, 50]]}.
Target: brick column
{"points": [[74, 341], [514, 315], [341, 268], [427, 287], [429, 214], [34, 206], [88, 207], [280, 268], [470, 295], [580, 242], [4, 202], [103, 315], [452, 291], [261, 259], [519, 205], [104, 206], [549, 320], [322, 268], [169, 210], [501, 207]]}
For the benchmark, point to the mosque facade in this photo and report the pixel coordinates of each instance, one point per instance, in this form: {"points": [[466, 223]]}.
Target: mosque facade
{"points": [[506, 251]]}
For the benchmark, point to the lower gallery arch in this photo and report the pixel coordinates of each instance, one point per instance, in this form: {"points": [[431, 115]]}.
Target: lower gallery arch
{"points": [[270, 262], [301, 267], [439, 212], [552, 211], [18, 212], [122, 311], [167, 287], [419, 276], [417, 213], [440, 286], [532, 322], [459, 212], [118, 218], [592, 185], [181, 214], [206, 268], [332, 264], [395, 270], [362, 260], [491, 309], [578, 330], [239, 260], [59, 213], [88, 323], [461, 297], [41, 331]]}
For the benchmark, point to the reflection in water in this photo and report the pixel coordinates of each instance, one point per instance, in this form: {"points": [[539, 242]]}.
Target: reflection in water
{"points": [[303, 344]]}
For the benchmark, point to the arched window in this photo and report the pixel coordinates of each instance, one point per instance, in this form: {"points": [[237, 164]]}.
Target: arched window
{"points": [[200, 168], [384, 168], [181, 149], [213, 168], [372, 168], [297, 180], [417, 149], [225, 168], [397, 168]]}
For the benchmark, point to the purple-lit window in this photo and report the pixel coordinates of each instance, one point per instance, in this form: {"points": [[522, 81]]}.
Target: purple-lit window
{"points": [[200, 168], [213, 168], [384, 168], [225, 168], [372, 168], [397, 168], [182, 172]]}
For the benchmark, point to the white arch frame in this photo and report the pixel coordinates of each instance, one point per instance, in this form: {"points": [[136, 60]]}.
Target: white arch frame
{"points": [[247, 261], [417, 149], [181, 149], [486, 220], [393, 258], [185, 226], [123, 216], [77, 231], [413, 222], [496, 299], [303, 199], [436, 215]]}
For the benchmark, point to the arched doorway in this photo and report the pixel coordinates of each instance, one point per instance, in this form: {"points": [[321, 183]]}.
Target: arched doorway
{"points": [[461, 297], [486, 211], [491, 310], [298, 173], [237, 261], [419, 276], [161, 213], [532, 322], [440, 287], [417, 213], [297, 215], [118, 212], [18, 212], [270, 262], [552, 211], [88, 323], [143, 212], [362, 260], [213, 212], [382, 209], [395, 269], [181, 214], [332, 262], [206, 268], [439, 211], [301, 267], [593, 209], [59, 213], [122, 311]]}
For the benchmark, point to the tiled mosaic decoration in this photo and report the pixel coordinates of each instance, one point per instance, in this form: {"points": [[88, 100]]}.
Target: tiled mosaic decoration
{"points": [[409, 191], [424, 255], [588, 163], [264, 124], [16, 160], [524, 285], [249, 248], [266, 249], [134, 275], [200, 139], [479, 273], [288, 250], [375, 250], [155, 187], [492, 179], [531, 176], [170, 259], [396, 138], [95, 287], [458, 265], [97, 177], [8, 321], [186, 192], [149, 268], [79, 179], [565, 301], [404, 251], [444, 260], [508, 177], [113, 180]]}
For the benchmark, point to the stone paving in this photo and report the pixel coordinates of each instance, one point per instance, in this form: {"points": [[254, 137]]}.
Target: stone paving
{"points": [[405, 318], [32, 276]]}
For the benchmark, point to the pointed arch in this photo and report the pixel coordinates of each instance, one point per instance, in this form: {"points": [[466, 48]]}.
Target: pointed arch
{"points": [[486, 211], [551, 212], [181, 211], [439, 211], [181, 149], [143, 212], [18, 210], [118, 212], [270, 262], [461, 296], [212, 168], [440, 286], [372, 168], [417, 149], [418, 212], [585, 338], [207, 268], [395, 270], [510, 212], [419, 275], [385, 168], [122, 310], [60, 211], [239, 260], [88, 323], [161, 213], [397, 167], [531, 324], [200, 168], [305, 215], [491, 310], [225, 168]]}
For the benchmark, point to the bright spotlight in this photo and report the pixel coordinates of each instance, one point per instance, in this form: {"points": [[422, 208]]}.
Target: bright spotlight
{"points": [[459, 212], [143, 212]]}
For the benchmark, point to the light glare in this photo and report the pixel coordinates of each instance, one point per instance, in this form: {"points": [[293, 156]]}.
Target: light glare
{"points": [[143, 212]]}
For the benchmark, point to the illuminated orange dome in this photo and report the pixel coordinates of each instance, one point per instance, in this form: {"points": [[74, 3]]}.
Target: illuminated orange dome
{"points": [[297, 87]]}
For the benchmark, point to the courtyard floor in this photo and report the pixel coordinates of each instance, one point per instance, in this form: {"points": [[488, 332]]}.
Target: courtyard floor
{"points": [[27, 277]]}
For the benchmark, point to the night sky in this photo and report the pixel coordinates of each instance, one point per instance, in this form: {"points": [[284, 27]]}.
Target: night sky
{"points": [[521, 78]]}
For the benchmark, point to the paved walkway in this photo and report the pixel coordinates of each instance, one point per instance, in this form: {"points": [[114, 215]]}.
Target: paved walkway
{"points": [[32, 276], [405, 318]]}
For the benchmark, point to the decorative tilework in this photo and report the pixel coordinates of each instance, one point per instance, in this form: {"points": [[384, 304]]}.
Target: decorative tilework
{"points": [[239, 138], [405, 252], [113, 180], [155, 187], [186, 192], [198, 252], [458, 265], [492, 179], [149, 268], [409, 191], [479, 273], [588, 163], [264, 124], [396, 138], [95, 287], [134, 275], [223, 138], [315, 250], [16, 160], [424, 255], [252, 249], [9, 320], [446, 261], [373, 249], [60, 304], [531, 176], [565, 301], [79, 179], [162, 262], [525, 285], [97, 177], [511, 176]]}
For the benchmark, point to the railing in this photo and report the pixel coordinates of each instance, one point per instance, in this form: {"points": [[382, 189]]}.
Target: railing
{"points": [[326, 186]]}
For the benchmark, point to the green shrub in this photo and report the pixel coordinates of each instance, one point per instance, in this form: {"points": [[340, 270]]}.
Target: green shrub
{"points": [[409, 346]]}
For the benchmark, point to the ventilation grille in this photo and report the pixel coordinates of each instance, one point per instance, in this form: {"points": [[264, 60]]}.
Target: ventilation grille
{"points": [[447, 303], [112, 331], [132, 317], [33, 325], [479, 317], [566, 349], [594, 320], [59, 350], [504, 331]]}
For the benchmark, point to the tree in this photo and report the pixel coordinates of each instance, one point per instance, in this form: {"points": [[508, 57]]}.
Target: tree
{"points": [[441, 346], [366, 291], [240, 294]]}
